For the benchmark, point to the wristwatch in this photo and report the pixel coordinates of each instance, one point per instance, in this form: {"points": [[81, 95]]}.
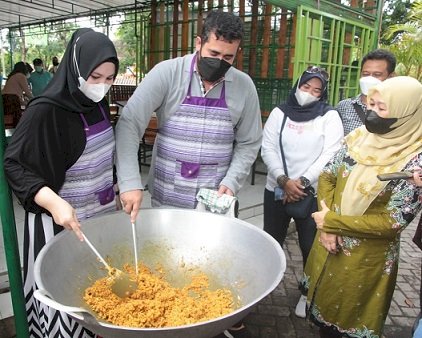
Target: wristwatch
{"points": [[304, 181]]}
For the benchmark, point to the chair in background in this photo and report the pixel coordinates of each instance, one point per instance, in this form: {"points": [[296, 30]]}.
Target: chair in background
{"points": [[119, 95], [147, 143]]}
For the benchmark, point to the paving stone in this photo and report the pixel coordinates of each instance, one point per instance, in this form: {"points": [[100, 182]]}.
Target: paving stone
{"points": [[281, 311]]}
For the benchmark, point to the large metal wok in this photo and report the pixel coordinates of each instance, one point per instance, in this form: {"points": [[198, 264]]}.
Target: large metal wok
{"points": [[234, 253]]}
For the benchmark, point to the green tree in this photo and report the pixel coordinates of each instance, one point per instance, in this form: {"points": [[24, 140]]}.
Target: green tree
{"points": [[394, 13], [126, 42], [36, 42], [407, 42]]}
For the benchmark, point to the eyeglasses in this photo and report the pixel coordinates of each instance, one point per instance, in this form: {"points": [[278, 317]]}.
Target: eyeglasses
{"points": [[322, 71]]}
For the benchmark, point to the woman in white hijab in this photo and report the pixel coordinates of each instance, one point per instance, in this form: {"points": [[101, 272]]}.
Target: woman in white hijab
{"points": [[351, 271]]}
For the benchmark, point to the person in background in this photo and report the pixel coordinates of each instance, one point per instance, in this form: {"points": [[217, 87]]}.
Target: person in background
{"points": [[29, 69], [40, 78], [17, 83], [59, 162], [209, 123], [54, 66], [417, 239], [311, 133], [351, 271], [376, 67]]}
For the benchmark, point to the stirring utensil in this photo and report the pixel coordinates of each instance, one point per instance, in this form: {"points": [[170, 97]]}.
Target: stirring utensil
{"points": [[123, 285], [135, 247]]}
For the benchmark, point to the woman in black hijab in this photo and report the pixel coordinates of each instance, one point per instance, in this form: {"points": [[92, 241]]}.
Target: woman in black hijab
{"points": [[299, 138], [59, 162]]}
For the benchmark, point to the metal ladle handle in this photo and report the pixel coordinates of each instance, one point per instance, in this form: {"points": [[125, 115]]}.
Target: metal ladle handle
{"points": [[135, 247], [96, 252]]}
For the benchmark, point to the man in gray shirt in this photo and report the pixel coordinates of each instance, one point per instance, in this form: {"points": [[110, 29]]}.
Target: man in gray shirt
{"points": [[209, 123], [376, 67]]}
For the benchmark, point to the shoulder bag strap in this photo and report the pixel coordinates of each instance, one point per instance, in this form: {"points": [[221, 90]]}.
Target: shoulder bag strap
{"points": [[360, 112], [281, 146]]}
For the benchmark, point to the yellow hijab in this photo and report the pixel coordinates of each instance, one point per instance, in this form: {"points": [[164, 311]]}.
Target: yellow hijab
{"points": [[375, 153]]}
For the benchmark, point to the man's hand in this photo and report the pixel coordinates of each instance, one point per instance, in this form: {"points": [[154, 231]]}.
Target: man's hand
{"points": [[224, 190], [131, 202]]}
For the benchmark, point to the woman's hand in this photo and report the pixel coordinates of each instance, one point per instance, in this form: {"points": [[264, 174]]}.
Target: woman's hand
{"points": [[62, 212], [131, 202], [65, 215], [330, 242], [293, 191], [319, 216]]}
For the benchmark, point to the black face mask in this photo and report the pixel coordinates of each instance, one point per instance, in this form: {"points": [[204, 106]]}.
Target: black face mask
{"points": [[378, 125], [212, 69]]}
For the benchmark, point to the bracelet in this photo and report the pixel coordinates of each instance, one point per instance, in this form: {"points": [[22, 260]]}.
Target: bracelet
{"points": [[282, 180], [304, 181]]}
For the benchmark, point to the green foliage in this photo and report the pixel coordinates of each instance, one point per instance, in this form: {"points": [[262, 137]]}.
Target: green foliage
{"points": [[395, 12], [406, 42], [126, 42], [37, 42]]}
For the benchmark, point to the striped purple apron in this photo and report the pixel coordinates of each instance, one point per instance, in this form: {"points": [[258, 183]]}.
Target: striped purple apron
{"points": [[194, 150], [88, 187]]}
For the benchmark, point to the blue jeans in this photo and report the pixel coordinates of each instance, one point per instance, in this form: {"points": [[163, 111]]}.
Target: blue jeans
{"points": [[276, 223]]}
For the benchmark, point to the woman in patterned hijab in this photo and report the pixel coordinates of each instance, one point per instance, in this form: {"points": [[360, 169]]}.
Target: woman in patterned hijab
{"points": [[351, 271]]}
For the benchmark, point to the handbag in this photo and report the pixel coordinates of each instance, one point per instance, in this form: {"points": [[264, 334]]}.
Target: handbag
{"points": [[302, 208]]}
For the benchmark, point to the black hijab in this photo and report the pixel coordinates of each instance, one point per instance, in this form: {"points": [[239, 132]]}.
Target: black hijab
{"points": [[298, 113], [91, 50]]}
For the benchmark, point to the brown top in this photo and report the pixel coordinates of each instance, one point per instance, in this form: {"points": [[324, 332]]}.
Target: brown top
{"points": [[17, 84]]}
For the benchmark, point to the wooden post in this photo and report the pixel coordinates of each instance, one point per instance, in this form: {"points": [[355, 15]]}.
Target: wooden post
{"points": [[282, 34], [161, 32], [200, 17], [254, 38], [175, 39], [292, 46], [153, 35], [185, 27], [239, 59], [266, 41]]}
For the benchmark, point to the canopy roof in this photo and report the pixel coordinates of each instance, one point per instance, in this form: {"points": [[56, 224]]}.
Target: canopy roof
{"points": [[19, 13]]}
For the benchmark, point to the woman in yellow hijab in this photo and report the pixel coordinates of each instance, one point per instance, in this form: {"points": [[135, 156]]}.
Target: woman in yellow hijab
{"points": [[351, 271]]}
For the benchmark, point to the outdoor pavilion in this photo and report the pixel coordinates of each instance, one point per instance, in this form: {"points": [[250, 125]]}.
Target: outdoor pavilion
{"points": [[282, 37]]}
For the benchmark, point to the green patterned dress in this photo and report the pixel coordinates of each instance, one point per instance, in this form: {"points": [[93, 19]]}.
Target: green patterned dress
{"points": [[351, 291]]}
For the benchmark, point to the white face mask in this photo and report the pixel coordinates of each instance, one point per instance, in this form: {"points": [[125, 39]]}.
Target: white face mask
{"points": [[93, 91], [304, 98], [367, 82]]}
